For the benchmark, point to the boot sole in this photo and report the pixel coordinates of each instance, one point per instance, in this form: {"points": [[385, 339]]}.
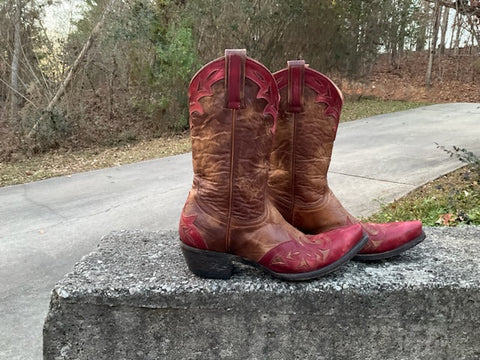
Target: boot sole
{"points": [[390, 253], [218, 265]]}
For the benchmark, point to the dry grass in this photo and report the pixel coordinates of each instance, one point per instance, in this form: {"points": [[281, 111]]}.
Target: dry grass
{"points": [[65, 163], [363, 107]]}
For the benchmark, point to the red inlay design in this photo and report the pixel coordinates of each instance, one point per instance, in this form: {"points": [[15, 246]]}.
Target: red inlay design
{"points": [[201, 85], [296, 257], [327, 91], [189, 233], [268, 91], [389, 236], [313, 252], [291, 256]]}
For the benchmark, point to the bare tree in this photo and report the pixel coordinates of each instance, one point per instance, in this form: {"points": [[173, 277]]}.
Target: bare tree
{"points": [[17, 48], [433, 43], [458, 32], [468, 8], [445, 16]]}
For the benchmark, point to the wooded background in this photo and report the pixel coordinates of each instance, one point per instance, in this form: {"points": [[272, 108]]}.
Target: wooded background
{"points": [[122, 74]]}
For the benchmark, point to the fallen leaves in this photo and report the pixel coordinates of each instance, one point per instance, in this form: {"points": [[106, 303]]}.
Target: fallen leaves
{"points": [[446, 219], [451, 200], [453, 80]]}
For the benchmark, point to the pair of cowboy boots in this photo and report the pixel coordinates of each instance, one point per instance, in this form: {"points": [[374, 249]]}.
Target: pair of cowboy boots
{"points": [[261, 148]]}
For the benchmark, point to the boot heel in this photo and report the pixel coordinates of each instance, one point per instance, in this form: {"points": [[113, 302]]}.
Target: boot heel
{"points": [[209, 264]]}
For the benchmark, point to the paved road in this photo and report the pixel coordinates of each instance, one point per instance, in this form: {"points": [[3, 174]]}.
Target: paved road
{"points": [[46, 226]]}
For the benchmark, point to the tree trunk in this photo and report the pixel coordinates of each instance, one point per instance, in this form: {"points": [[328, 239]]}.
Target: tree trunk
{"points": [[446, 13], [394, 56], [422, 31], [458, 34], [476, 35], [111, 94], [454, 26], [17, 45], [433, 44]]}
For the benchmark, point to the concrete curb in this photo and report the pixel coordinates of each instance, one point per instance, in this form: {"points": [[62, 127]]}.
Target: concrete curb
{"points": [[134, 298]]}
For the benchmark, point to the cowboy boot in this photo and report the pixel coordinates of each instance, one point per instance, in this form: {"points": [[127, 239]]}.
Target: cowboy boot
{"points": [[308, 118], [228, 216]]}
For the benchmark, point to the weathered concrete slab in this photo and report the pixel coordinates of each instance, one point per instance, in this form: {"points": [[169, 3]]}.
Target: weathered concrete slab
{"points": [[135, 299]]}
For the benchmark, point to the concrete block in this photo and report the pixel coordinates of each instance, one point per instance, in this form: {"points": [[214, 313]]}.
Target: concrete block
{"points": [[134, 298]]}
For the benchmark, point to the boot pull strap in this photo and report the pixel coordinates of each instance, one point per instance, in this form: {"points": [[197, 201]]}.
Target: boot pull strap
{"points": [[235, 77], [296, 81]]}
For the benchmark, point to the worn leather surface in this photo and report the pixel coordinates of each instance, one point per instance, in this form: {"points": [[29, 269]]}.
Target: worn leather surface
{"points": [[227, 209], [301, 157]]}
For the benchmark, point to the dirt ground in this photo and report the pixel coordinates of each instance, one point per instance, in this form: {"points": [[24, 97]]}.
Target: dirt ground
{"points": [[455, 78]]}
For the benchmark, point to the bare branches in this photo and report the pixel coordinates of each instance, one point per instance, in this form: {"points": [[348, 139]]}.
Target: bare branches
{"points": [[19, 93], [464, 7], [73, 69], [16, 58]]}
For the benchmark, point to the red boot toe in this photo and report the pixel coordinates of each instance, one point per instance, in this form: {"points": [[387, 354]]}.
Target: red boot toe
{"points": [[390, 239]]}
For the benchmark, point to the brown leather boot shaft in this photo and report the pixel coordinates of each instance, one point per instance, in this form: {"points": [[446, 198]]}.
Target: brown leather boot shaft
{"points": [[306, 129], [230, 149], [299, 175], [233, 108]]}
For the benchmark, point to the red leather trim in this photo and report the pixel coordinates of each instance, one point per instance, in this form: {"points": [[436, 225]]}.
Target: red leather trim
{"points": [[201, 84], [319, 251], [235, 77], [327, 91], [268, 91], [281, 77], [296, 81], [202, 81], [189, 233], [389, 236]]}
